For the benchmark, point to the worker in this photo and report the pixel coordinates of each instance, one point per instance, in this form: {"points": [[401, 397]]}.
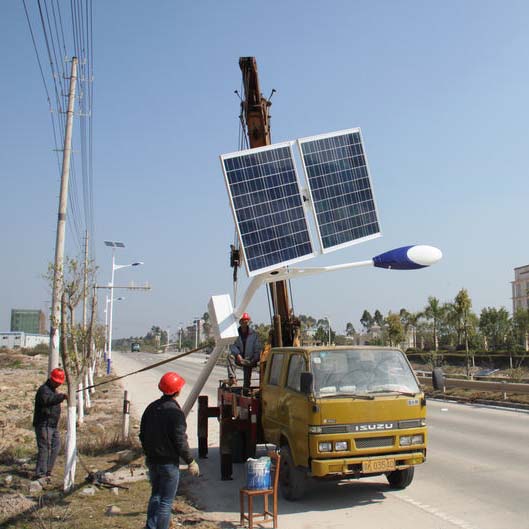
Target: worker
{"points": [[245, 352], [46, 416], [164, 440]]}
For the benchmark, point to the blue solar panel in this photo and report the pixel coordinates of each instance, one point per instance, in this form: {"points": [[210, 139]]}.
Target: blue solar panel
{"points": [[336, 169], [267, 206]]}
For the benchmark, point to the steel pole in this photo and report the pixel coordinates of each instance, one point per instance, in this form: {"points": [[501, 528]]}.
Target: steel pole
{"points": [[53, 359], [109, 356], [106, 325]]}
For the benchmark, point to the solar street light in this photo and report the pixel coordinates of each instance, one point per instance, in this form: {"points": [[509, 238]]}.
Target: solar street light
{"points": [[114, 245]]}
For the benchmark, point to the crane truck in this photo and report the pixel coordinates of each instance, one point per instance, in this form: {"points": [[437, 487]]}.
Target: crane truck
{"points": [[334, 412]]}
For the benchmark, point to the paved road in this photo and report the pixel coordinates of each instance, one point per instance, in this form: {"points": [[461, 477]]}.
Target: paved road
{"points": [[476, 475]]}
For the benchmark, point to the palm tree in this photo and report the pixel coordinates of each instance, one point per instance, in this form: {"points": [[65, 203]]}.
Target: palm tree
{"points": [[434, 311], [409, 321], [462, 305]]}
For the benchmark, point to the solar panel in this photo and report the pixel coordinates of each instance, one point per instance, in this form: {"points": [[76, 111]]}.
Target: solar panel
{"points": [[267, 206], [336, 169]]}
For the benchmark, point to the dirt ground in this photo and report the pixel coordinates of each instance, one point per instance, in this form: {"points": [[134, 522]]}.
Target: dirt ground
{"points": [[100, 449]]}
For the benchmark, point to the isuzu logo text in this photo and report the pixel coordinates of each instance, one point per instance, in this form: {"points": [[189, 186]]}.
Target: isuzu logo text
{"points": [[371, 427]]}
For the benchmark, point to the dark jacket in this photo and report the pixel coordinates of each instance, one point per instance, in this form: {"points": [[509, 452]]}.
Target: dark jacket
{"points": [[163, 432], [249, 348], [47, 406]]}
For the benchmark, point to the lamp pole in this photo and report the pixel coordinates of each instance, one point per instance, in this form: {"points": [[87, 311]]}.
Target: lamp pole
{"points": [[197, 320], [180, 330], [107, 301], [329, 324], [114, 245]]}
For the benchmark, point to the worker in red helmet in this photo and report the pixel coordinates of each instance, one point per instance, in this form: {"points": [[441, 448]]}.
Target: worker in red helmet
{"points": [[245, 352], [46, 415], [164, 440]]}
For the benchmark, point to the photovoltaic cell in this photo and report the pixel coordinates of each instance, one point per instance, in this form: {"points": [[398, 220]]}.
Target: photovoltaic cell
{"points": [[267, 206], [337, 174]]}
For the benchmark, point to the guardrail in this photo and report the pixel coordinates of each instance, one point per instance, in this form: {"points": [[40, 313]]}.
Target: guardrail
{"points": [[479, 385]]}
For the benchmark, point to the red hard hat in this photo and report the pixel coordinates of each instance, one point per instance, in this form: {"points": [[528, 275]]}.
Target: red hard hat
{"points": [[57, 375], [246, 317], [171, 383]]}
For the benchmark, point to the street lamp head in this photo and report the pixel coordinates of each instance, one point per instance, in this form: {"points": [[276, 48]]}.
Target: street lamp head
{"points": [[137, 263], [408, 257]]}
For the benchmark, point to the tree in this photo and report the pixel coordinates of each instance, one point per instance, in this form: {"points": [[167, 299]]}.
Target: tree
{"points": [[462, 305], [495, 325], [378, 318], [206, 325], [434, 312], [349, 329], [75, 350], [520, 323], [307, 324], [366, 320], [394, 329], [410, 321], [322, 335]]}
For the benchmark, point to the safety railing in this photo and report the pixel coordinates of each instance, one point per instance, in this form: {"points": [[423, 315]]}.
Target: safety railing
{"points": [[478, 385]]}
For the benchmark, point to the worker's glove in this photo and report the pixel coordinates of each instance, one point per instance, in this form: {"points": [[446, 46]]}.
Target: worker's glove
{"points": [[246, 363], [193, 468]]}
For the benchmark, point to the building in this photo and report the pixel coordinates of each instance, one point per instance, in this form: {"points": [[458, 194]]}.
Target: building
{"points": [[28, 321], [16, 340], [520, 288]]}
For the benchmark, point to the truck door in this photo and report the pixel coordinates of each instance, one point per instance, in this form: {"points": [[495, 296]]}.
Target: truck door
{"points": [[293, 409], [270, 397]]}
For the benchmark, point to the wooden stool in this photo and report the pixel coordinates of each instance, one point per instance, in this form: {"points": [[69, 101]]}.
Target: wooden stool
{"points": [[265, 493]]}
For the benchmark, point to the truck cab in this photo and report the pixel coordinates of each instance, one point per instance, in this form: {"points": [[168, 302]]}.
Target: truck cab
{"points": [[343, 412]]}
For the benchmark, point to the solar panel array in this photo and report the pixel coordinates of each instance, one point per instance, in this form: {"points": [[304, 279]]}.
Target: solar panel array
{"points": [[338, 177], [268, 208]]}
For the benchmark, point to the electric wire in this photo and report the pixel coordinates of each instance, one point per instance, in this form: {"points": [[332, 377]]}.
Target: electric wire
{"points": [[54, 32]]}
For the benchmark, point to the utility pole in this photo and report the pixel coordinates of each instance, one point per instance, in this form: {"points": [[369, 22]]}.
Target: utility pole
{"points": [[85, 279], [58, 279]]}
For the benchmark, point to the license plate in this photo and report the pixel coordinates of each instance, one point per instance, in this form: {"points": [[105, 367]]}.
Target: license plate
{"points": [[378, 465]]}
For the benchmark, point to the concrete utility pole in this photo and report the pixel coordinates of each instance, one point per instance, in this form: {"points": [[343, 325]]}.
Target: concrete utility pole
{"points": [[85, 279], [58, 279]]}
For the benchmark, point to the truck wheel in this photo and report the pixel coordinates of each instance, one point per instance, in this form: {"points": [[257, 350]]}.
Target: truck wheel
{"points": [[400, 479], [292, 480]]}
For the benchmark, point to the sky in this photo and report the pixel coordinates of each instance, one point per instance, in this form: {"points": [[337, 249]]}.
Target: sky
{"points": [[439, 90]]}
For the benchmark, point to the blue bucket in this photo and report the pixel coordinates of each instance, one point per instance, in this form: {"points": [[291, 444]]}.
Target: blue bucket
{"points": [[258, 473]]}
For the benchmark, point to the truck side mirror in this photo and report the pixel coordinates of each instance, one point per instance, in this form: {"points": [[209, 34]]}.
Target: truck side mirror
{"points": [[305, 383]]}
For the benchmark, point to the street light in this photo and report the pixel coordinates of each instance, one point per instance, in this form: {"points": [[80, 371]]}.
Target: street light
{"points": [[180, 331], [197, 323], [107, 301], [114, 245]]}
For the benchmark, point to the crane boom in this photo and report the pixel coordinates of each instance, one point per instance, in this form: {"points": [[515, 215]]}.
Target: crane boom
{"points": [[255, 109]]}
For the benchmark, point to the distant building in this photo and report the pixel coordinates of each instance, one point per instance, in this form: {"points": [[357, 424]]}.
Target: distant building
{"points": [[28, 321], [520, 288], [15, 340]]}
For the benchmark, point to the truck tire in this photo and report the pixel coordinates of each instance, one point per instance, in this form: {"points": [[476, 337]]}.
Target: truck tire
{"points": [[438, 379], [400, 479], [292, 480]]}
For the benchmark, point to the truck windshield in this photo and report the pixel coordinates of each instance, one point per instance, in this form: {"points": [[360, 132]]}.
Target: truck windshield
{"points": [[361, 372]]}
